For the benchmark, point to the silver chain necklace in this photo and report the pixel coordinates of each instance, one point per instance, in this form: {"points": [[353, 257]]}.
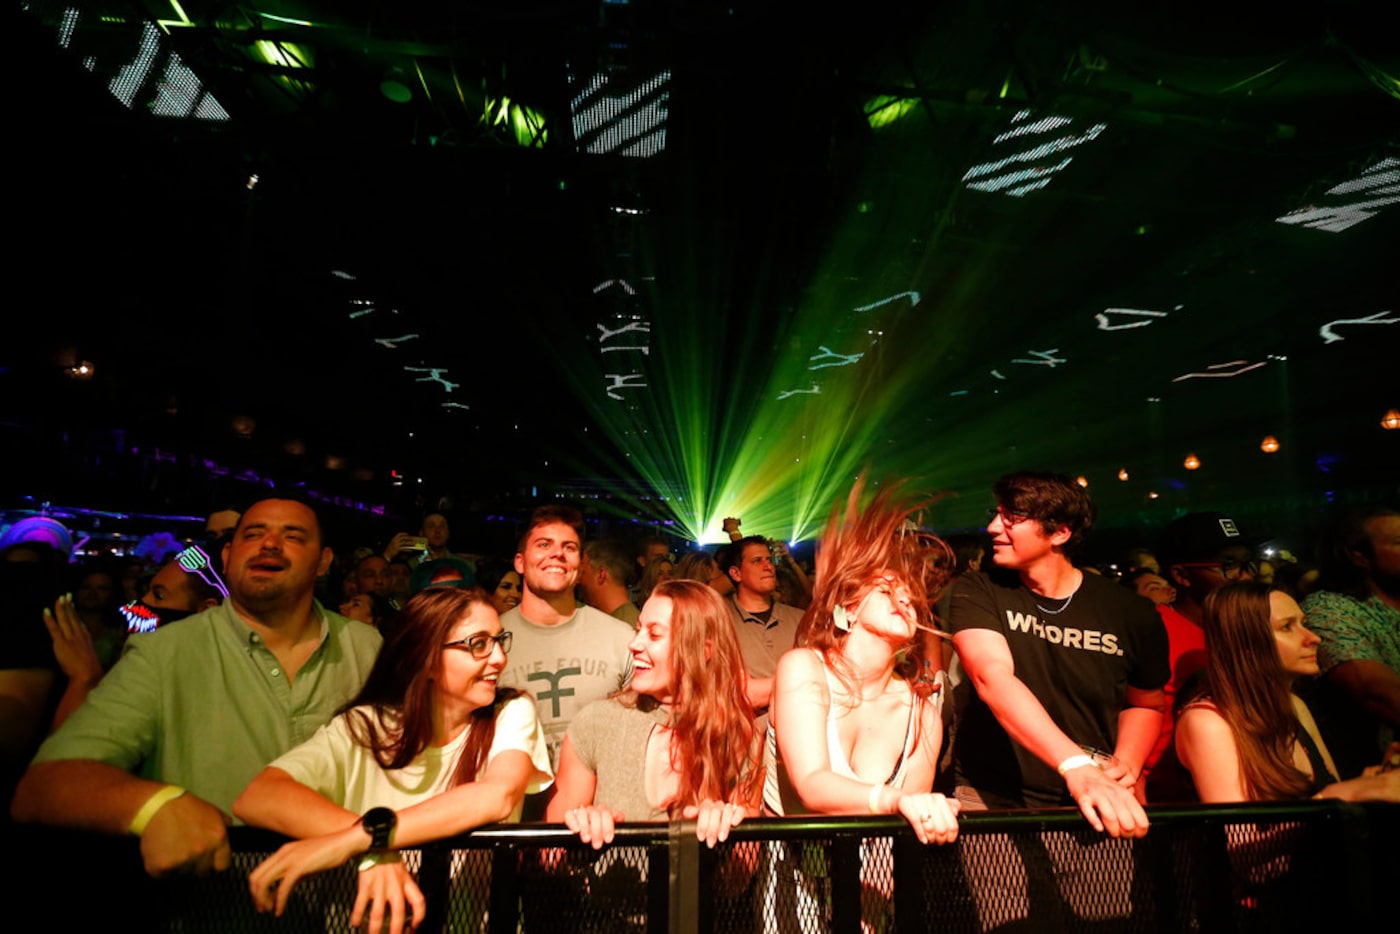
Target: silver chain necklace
{"points": [[1068, 600]]}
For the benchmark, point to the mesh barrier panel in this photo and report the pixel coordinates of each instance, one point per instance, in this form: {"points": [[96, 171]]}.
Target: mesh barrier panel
{"points": [[585, 890], [1265, 869]]}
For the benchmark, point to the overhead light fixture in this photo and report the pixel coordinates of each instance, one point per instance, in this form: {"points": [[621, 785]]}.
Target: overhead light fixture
{"points": [[1352, 201], [614, 112], [1391, 420], [1192, 462], [393, 86], [1123, 473], [1037, 159], [1082, 481], [1269, 445]]}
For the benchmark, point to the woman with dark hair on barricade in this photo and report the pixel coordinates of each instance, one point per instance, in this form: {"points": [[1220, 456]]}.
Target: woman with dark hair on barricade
{"points": [[432, 747], [1244, 736], [850, 730]]}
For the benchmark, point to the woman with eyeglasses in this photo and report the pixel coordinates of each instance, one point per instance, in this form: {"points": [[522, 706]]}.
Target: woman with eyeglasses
{"points": [[1245, 736], [430, 748]]}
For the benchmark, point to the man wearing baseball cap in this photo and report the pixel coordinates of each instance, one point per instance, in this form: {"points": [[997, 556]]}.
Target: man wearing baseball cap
{"points": [[1202, 552], [1199, 552]]}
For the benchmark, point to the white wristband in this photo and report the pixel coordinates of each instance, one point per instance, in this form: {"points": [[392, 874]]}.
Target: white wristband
{"points": [[378, 858], [875, 799], [1074, 762]]}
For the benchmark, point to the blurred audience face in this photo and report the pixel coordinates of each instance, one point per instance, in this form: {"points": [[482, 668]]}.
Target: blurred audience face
{"points": [[371, 576], [1155, 588], [131, 580], [359, 607], [220, 523], [1382, 566], [507, 593], [397, 577], [654, 550], [170, 590], [96, 591], [1144, 559], [719, 581], [435, 530]]}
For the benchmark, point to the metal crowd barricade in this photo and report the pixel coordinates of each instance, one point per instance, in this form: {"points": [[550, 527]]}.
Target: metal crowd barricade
{"points": [[1286, 867]]}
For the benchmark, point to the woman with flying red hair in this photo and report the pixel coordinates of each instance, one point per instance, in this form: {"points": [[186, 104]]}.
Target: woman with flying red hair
{"points": [[851, 730]]}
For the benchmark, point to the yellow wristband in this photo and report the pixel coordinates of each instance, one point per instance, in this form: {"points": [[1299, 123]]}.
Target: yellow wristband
{"points": [[154, 803]]}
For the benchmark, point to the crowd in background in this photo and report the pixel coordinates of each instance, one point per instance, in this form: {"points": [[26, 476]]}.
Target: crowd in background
{"points": [[592, 680]]}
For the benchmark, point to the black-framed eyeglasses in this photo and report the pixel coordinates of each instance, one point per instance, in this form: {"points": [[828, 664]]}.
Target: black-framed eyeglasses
{"points": [[1229, 568], [480, 645], [1008, 518]]}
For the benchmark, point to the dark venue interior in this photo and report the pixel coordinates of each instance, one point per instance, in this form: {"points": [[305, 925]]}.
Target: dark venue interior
{"points": [[677, 261], [941, 242]]}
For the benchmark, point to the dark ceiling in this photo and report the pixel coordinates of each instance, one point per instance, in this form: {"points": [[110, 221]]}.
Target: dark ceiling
{"points": [[816, 184]]}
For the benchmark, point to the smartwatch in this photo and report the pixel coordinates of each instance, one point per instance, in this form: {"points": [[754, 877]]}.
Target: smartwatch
{"points": [[379, 823]]}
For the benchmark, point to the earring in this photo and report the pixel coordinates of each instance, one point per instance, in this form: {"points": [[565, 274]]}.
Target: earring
{"points": [[839, 618]]}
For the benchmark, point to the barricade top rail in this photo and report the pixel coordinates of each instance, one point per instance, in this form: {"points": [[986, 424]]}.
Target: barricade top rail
{"points": [[1206, 868], [830, 826]]}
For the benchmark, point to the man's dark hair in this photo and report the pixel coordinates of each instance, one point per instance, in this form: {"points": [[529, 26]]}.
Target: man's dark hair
{"points": [[611, 554], [293, 496], [1052, 499], [1338, 571], [735, 555], [644, 544], [546, 515], [364, 558]]}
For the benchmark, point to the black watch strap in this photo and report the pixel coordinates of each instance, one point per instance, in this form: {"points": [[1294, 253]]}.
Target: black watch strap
{"points": [[379, 823]]}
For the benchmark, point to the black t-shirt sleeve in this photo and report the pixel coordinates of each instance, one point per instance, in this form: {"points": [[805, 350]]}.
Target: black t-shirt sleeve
{"points": [[972, 604], [1153, 668]]}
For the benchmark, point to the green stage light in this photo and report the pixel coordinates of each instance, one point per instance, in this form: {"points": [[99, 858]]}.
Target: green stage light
{"points": [[879, 358], [885, 109]]}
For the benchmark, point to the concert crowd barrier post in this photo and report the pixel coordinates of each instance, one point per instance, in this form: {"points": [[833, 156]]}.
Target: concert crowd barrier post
{"points": [[1311, 866]]}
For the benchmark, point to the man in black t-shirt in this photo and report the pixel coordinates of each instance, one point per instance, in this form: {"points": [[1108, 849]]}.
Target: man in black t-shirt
{"points": [[1059, 664]]}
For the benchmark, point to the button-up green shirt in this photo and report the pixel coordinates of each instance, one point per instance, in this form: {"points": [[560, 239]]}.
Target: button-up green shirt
{"points": [[204, 704]]}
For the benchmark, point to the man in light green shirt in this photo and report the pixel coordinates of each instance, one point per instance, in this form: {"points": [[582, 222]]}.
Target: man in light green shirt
{"points": [[194, 710]]}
